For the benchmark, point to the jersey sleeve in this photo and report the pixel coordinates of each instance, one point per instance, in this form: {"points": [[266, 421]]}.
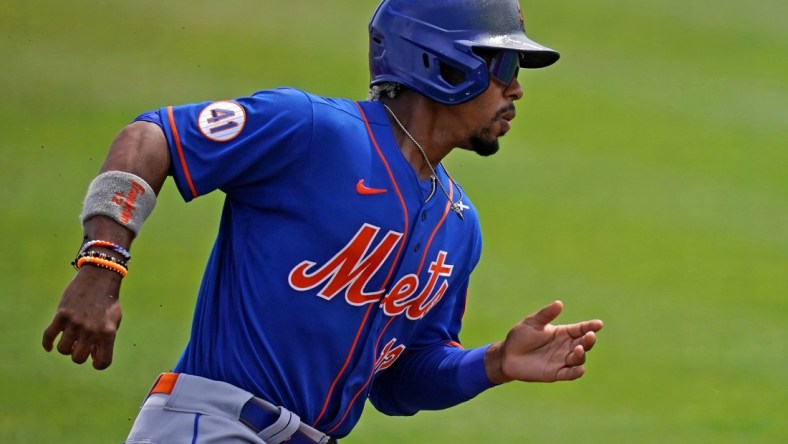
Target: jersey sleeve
{"points": [[233, 144], [433, 379], [434, 372]]}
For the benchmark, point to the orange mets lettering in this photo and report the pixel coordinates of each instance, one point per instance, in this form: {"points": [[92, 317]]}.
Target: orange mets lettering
{"points": [[126, 202], [354, 266], [400, 300], [349, 268]]}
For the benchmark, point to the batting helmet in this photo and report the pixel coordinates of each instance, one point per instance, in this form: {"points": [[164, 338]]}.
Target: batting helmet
{"points": [[412, 41]]}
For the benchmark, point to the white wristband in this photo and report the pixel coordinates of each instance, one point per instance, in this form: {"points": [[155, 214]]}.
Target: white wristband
{"points": [[122, 196]]}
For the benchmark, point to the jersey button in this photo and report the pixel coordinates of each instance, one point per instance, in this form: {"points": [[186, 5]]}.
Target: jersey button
{"points": [[423, 216], [418, 245]]}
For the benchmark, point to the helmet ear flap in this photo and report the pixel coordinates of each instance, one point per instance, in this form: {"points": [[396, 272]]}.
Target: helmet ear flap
{"points": [[451, 75], [442, 72]]}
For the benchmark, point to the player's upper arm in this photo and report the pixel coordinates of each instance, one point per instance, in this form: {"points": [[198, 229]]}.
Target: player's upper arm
{"points": [[233, 144]]}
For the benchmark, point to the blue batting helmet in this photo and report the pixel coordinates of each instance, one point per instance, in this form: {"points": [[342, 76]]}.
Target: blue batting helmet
{"points": [[412, 41]]}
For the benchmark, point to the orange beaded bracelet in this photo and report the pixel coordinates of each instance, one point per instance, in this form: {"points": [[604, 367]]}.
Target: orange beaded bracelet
{"points": [[103, 263]]}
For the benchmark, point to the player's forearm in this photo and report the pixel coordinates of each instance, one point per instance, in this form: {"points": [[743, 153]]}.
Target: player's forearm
{"points": [[139, 149]]}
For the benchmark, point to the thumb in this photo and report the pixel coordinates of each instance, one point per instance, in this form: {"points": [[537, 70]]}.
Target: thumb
{"points": [[545, 316]]}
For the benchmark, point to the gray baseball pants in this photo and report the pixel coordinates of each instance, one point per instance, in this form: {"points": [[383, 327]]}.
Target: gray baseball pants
{"points": [[187, 409]]}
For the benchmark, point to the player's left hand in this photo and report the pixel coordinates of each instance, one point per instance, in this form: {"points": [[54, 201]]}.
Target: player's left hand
{"points": [[537, 351]]}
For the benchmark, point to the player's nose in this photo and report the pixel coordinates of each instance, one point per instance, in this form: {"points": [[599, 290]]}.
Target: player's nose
{"points": [[514, 90]]}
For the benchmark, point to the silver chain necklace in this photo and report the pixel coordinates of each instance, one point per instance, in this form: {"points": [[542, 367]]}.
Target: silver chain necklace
{"points": [[457, 206]]}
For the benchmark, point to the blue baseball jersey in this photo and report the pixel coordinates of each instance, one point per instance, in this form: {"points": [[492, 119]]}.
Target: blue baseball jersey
{"points": [[337, 274]]}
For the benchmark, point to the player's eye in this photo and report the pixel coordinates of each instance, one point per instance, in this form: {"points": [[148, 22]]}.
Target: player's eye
{"points": [[504, 66]]}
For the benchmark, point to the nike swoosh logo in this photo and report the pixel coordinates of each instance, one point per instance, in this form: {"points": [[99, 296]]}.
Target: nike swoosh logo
{"points": [[365, 190]]}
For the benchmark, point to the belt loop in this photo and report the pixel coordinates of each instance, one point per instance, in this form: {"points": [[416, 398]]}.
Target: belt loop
{"points": [[164, 384], [285, 426]]}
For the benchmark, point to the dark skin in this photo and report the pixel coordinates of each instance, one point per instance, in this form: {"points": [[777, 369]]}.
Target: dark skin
{"points": [[89, 313]]}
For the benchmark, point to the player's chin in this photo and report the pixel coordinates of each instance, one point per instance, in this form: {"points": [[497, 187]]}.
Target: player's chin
{"points": [[485, 146]]}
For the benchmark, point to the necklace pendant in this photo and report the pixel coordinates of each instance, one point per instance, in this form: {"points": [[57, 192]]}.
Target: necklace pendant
{"points": [[457, 207]]}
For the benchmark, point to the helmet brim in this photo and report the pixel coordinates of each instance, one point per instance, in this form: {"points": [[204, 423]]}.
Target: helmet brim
{"points": [[534, 54]]}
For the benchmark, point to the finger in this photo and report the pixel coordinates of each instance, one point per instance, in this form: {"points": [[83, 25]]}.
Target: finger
{"points": [[51, 333], [581, 328], [570, 373], [81, 349], [67, 340], [546, 315], [588, 341], [102, 352], [576, 357]]}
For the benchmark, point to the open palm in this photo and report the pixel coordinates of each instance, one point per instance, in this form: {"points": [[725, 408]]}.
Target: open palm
{"points": [[536, 350]]}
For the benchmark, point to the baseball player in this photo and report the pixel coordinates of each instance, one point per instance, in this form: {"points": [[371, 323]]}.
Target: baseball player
{"points": [[341, 267]]}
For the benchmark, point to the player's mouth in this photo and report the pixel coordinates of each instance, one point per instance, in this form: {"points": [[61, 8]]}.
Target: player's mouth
{"points": [[505, 116]]}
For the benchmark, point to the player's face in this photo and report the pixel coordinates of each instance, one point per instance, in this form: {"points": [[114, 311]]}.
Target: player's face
{"points": [[488, 116]]}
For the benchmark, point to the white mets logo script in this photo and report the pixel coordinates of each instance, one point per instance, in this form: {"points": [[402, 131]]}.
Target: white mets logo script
{"points": [[351, 269]]}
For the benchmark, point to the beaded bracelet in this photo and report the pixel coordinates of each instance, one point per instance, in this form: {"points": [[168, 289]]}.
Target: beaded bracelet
{"points": [[103, 256], [101, 243], [103, 263]]}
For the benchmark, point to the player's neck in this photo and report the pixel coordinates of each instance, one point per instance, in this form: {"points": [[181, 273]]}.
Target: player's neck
{"points": [[419, 123]]}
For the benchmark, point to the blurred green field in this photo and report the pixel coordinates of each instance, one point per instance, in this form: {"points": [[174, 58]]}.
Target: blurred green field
{"points": [[644, 183]]}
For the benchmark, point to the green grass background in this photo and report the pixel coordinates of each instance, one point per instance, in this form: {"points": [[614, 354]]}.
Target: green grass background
{"points": [[644, 183]]}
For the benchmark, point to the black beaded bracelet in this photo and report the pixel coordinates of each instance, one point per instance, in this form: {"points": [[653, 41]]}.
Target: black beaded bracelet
{"points": [[92, 254]]}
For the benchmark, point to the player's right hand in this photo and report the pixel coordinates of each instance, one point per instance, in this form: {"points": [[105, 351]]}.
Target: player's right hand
{"points": [[88, 317]]}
